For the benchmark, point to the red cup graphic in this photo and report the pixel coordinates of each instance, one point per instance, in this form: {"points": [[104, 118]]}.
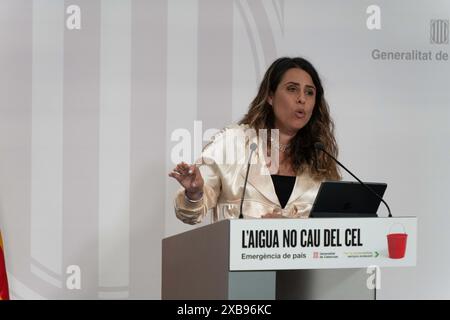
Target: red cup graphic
{"points": [[397, 244]]}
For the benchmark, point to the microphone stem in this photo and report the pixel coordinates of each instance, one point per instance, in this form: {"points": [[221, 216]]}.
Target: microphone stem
{"points": [[362, 183], [245, 186]]}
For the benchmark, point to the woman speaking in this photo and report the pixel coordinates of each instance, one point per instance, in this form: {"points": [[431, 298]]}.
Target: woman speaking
{"points": [[285, 169]]}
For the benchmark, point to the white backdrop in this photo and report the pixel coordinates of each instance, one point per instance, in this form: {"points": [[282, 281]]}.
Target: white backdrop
{"points": [[91, 92]]}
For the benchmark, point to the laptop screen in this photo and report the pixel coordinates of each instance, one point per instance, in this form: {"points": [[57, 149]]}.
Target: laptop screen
{"points": [[347, 199]]}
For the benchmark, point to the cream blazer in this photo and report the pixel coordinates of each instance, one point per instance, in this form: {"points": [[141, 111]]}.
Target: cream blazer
{"points": [[224, 180]]}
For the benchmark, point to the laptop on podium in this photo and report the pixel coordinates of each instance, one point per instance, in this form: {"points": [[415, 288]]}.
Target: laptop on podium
{"points": [[347, 199]]}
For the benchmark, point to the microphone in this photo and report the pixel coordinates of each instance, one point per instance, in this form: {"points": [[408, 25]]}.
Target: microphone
{"points": [[320, 146], [253, 147]]}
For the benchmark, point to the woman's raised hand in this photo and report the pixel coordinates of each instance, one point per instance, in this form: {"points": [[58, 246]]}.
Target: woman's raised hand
{"points": [[190, 178]]}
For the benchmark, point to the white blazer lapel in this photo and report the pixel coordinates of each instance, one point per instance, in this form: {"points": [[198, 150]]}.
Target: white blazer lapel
{"points": [[303, 183]]}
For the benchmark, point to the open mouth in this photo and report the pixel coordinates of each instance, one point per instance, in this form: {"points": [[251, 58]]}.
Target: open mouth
{"points": [[300, 114]]}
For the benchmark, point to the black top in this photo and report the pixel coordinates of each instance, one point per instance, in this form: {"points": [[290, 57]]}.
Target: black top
{"points": [[283, 187]]}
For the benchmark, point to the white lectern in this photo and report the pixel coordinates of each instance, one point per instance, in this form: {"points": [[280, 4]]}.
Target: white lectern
{"points": [[285, 258]]}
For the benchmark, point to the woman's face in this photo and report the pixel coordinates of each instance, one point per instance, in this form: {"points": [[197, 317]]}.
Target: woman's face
{"points": [[293, 101]]}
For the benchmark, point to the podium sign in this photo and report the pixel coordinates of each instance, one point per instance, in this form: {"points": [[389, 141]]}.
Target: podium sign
{"points": [[284, 258], [322, 243]]}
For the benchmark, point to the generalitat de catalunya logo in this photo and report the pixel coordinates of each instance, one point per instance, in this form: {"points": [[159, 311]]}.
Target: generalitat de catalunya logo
{"points": [[439, 30]]}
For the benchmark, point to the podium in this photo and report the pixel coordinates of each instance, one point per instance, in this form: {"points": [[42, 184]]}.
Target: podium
{"points": [[285, 258]]}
